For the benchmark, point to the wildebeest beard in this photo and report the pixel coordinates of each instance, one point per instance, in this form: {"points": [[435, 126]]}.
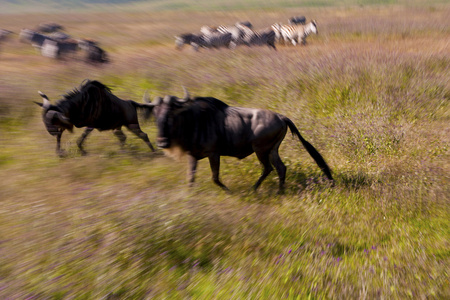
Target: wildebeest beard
{"points": [[198, 124]]}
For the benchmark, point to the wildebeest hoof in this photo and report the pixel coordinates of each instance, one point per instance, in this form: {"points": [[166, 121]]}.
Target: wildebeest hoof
{"points": [[62, 153], [226, 190], [83, 153]]}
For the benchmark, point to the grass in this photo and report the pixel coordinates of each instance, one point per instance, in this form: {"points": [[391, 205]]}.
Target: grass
{"points": [[370, 92]]}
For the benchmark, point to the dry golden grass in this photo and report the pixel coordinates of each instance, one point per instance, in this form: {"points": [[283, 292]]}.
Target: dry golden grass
{"points": [[370, 92]]}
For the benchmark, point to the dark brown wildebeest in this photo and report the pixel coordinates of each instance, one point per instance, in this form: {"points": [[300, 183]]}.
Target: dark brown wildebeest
{"points": [[94, 54], [297, 20], [49, 27], [207, 127], [95, 107]]}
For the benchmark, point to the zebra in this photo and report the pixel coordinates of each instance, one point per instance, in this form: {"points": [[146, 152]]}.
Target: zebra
{"points": [[297, 20], [297, 33], [237, 32], [195, 40], [209, 38], [277, 29], [254, 38]]}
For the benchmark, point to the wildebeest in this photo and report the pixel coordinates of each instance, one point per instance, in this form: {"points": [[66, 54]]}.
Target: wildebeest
{"points": [[35, 38], [4, 34], [207, 127], [94, 53], [297, 20], [49, 27], [57, 49], [95, 107]]}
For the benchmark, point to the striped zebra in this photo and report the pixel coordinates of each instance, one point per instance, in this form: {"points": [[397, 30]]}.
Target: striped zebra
{"points": [[237, 33], [211, 40], [195, 40], [254, 38], [296, 33]]}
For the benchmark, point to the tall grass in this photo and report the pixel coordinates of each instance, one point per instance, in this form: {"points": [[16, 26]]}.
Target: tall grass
{"points": [[370, 92]]}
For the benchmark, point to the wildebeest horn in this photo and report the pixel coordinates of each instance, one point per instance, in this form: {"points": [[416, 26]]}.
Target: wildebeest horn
{"points": [[186, 96], [146, 98], [46, 102], [61, 119]]}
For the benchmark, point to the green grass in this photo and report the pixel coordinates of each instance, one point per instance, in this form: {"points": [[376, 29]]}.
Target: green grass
{"points": [[371, 93]]}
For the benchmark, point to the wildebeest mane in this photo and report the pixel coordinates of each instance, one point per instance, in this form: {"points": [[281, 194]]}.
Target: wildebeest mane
{"points": [[202, 119], [90, 104]]}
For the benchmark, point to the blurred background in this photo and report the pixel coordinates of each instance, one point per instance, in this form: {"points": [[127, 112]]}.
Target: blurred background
{"points": [[370, 91]]}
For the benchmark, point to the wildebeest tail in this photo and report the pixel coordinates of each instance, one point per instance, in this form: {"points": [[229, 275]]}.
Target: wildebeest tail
{"points": [[311, 150], [146, 107]]}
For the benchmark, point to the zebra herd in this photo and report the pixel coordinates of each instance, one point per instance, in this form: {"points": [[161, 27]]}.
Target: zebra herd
{"points": [[242, 33], [56, 44]]}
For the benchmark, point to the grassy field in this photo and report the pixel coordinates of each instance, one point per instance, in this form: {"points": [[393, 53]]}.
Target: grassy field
{"points": [[371, 92]]}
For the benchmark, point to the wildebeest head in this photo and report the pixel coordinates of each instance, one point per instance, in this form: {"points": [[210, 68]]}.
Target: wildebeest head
{"points": [[54, 120], [164, 110]]}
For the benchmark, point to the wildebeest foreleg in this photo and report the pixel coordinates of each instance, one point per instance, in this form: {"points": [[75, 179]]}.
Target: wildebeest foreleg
{"points": [[137, 131], [121, 136], [80, 141], [59, 151], [267, 168], [214, 162]]}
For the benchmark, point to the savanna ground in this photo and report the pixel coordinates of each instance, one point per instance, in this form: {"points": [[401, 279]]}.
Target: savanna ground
{"points": [[371, 92]]}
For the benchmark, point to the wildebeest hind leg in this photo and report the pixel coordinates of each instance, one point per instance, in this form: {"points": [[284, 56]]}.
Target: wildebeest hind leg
{"points": [[267, 168], [280, 167], [137, 131], [82, 138], [121, 136], [214, 162]]}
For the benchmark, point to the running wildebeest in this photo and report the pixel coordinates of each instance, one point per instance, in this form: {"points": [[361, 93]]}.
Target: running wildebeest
{"points": [[94, 54], [207, 127], [57, 49], [4, 34], [35, 38], [297, 20], [49, 27], [95, 107]]}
